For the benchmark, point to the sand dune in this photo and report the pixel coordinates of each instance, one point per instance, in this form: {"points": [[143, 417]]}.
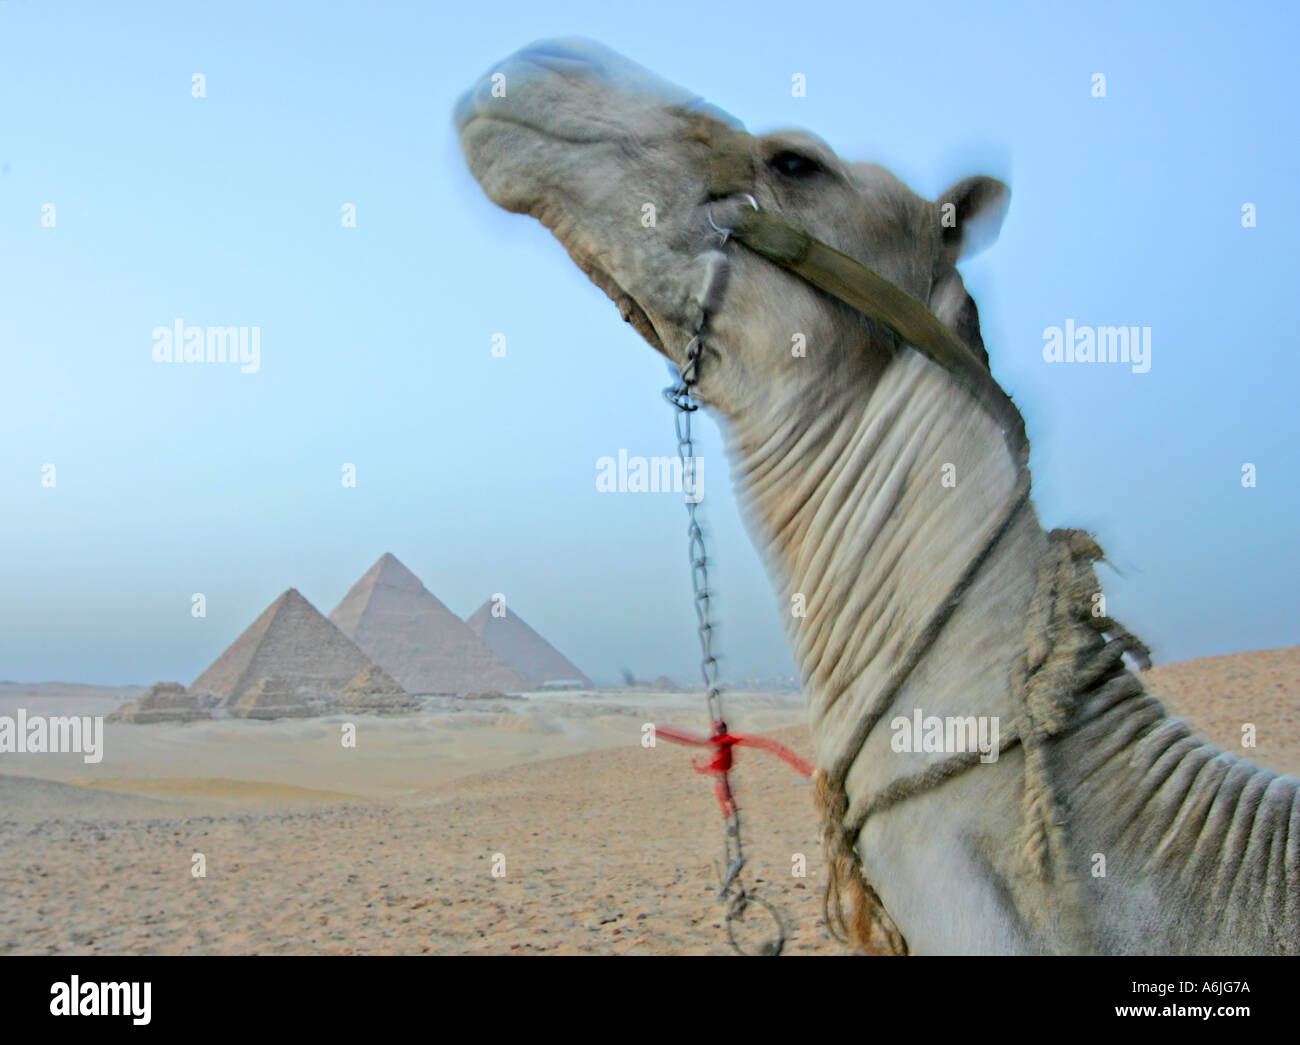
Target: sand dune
{"points": [[24, 799]]}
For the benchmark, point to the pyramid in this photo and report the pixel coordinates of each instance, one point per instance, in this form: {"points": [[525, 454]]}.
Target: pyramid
{"points": [[290, 651], [511, 639], [162, 702], [404, 629], [375, 692]]}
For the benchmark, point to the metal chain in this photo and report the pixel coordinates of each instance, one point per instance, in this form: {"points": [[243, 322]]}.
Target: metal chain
{"points": [[679, 394]]}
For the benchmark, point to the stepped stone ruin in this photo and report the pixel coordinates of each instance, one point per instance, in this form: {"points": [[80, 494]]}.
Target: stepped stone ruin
{"points": [[271, 697], [375, 692], [162, 702]]}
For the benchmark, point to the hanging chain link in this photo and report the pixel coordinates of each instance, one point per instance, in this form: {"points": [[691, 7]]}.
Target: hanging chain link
{"points": [[679, 395], [730, 888]]}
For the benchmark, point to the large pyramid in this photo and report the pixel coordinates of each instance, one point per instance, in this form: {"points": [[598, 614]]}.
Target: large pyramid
{"points": [[511, 639], [292, 645], [404, 629]]}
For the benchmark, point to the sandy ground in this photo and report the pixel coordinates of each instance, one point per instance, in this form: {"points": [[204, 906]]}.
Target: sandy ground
{"points": [[608, 847], [1218, 695]]}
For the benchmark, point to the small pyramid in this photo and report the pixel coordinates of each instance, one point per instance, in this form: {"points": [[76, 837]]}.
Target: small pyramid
{"points": [[162, 702], [402, 627], [273, 696], [292, 643], [511, 639], [375, 692]]}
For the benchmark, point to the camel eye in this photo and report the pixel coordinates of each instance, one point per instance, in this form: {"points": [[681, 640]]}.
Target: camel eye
{"points": [[794, 164]]}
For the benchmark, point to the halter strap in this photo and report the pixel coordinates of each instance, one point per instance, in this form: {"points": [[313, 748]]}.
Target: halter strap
{"points": [[731, 173]]}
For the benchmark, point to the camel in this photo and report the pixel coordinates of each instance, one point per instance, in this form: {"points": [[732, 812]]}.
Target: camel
{"points": [[893, 504]]}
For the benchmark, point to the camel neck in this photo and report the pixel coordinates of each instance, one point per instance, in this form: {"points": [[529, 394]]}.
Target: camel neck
{"points": [[869, 508]]}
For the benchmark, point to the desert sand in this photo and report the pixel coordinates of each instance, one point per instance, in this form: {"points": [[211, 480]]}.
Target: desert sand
{"points": [[608, 847]]}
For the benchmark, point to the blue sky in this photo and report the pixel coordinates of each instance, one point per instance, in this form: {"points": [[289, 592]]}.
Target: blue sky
{"points": [[479, 472]]}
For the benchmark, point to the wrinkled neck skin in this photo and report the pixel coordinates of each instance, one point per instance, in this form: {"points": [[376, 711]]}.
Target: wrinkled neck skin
{"points": [[849, 504]]}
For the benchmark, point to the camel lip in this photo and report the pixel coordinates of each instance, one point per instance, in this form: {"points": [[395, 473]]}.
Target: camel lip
{"points": [[628, 307], [464, 111], [477, 118], [467, 114]]}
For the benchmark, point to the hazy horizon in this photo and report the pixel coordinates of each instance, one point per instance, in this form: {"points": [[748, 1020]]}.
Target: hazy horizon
{"points": [[479, 473]]}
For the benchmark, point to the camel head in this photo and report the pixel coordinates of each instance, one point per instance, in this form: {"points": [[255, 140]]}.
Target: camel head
{"points": [[616, 163]]}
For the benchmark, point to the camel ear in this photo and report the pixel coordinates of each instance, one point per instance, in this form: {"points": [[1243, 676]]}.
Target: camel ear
{"points": [[970, 216]]}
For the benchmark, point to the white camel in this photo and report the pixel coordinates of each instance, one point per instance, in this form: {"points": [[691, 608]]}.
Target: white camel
{"points": [[1105, 826]]}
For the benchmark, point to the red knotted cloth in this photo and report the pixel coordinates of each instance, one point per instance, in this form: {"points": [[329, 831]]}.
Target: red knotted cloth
{"points": [[722, 741]]}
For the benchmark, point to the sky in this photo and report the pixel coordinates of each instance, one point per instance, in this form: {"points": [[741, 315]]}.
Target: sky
{"points": [[479, 471]]}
